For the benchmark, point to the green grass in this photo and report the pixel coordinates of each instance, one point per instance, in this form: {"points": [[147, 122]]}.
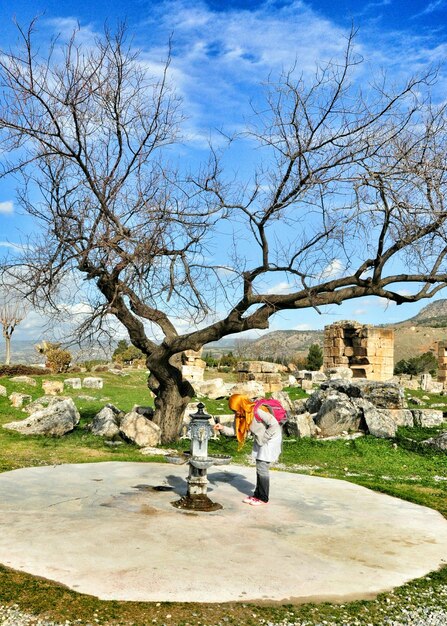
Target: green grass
{"points": [[402, 467]]}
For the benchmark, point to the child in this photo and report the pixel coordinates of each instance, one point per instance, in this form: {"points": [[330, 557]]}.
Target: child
{"points": [[267, 437]]}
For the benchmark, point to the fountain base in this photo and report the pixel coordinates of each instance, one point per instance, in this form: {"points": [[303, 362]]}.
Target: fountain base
{"points": [[199, 502]]}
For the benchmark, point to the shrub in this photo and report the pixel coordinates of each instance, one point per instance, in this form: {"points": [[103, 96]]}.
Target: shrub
{"points": [[58, 359]]}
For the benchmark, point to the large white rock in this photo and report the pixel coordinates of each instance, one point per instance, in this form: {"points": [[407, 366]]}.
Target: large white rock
{"points": [[250, 388], [52, 387], [73, 383], [42, 403], [214, 388], [55, 420], [93, 382], [379, 423], [3, 391], [427, 418], [24, 380], [140, 430], [335, 373], [106, 422], [302, 425]]}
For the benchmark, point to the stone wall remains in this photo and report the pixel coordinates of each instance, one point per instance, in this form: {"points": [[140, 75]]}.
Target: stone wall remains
{"points": [[193, 366], [263, 372], [366, 350]]}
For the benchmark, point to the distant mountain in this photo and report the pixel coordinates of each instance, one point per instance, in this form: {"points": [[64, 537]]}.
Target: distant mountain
{"points": [[434, 315], [283, 343]]}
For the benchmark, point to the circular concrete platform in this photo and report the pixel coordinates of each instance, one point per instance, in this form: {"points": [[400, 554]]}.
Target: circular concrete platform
{"points": [[102, 529]]}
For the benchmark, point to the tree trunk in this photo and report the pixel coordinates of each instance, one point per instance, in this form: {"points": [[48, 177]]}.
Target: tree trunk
{"points": [[172, 395], [8, 349]]}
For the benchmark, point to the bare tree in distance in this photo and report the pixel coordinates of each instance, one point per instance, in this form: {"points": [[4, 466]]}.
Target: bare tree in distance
{"points": [[12, 312], [346, 199]]}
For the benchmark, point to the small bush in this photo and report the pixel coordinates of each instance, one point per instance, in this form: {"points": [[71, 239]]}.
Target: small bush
{"points": [[58, 359]]}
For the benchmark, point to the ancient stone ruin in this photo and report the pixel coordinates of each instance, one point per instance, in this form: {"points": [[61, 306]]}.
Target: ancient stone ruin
{"points": [[193, 366], [262, 372], [367, 351]]}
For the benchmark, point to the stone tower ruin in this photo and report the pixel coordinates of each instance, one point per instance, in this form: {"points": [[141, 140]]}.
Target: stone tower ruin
{"points": [[366, 350]]}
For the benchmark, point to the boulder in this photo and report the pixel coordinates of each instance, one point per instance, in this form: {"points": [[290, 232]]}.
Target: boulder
{"points": [[3, 391], [378, 422], [213, 389], [427, 418], [338, 373], [19, 399], [299, 406], [24, 380], [292, 381], [439, 442], [250, 388], [73, 383], [338, 414], [314, 376], [401, 417], [302, 425], [106, 423], [42, 403], [93, 382], [313, 403], [383, 395], [55, 420], [52, 387], [140, 430]]}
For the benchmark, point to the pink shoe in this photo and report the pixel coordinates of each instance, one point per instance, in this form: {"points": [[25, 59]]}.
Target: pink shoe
{"points": [[256, 502], [248, 499]]}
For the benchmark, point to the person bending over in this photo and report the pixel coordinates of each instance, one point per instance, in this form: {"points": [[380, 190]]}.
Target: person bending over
{"points": [[267, 441]]}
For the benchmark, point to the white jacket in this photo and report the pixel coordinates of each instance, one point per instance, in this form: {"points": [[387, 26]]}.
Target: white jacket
{"points": [[267, 436]]}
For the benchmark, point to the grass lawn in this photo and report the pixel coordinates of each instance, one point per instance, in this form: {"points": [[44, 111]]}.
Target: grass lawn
{"points": [[401, 467]]}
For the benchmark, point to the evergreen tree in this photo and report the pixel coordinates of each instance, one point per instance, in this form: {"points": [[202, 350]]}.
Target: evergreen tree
{"points": [[314, 357]]}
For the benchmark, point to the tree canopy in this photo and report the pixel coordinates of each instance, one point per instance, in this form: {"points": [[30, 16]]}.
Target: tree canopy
{"points": [[346, 199]]}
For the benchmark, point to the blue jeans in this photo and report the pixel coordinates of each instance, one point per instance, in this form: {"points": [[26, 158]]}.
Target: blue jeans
{"points": [[262, 481]]}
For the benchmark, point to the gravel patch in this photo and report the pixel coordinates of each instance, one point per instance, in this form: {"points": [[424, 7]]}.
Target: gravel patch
{"points": [[423, 616]]}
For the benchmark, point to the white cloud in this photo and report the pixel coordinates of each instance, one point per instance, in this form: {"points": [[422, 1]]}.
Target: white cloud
{"points": [[6, 207], [360, 312], [333, 269], [13, 246], [302, 327], [280, 288]]}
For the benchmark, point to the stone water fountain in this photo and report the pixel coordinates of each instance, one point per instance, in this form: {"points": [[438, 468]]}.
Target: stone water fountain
{"points": [[198, 459]]}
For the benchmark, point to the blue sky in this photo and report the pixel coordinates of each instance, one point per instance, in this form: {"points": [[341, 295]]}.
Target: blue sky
{"points": [[221, 52]]}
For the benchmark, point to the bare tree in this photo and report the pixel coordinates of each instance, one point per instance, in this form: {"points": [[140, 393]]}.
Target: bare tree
{"points": [[348, 200], [12, 313]]}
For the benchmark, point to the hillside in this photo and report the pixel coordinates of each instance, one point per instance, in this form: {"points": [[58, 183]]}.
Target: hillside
{"points": [[283, 343], [434, 315]]}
